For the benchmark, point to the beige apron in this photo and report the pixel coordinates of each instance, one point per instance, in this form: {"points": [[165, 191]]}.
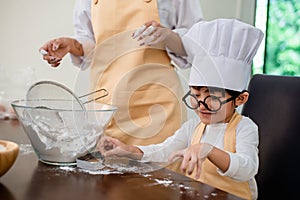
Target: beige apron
{"points": [[209, 174], [140, 80]]}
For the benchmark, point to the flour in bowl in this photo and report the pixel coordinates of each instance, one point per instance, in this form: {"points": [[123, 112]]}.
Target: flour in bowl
{"points": [[62, 143]]}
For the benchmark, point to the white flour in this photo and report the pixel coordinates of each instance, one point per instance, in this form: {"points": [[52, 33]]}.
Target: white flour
{"points": [[165, 182], [99, 172], [66, 139], [61, 139], [92, 172], [2, 148], [26, 149]]}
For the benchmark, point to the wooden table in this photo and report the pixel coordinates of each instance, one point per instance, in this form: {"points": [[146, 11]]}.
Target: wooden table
{"points": [[30, 179]]}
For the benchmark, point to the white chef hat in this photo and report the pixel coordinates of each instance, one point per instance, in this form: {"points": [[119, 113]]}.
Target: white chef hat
{"points": [[221, 53]]}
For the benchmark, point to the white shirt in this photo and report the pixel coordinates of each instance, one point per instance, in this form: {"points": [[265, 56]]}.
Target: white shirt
{"points": [[178, 15], [243, 164]]}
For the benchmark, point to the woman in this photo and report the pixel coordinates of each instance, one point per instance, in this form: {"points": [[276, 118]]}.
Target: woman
{"points": [[140, 79]]}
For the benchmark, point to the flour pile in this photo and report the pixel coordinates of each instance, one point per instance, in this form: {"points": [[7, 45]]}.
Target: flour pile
{"points": [[61, 137]]}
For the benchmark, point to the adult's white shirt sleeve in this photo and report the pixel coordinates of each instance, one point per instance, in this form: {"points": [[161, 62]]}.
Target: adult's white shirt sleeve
{"points": [[185, 15], [190, 45], [83, 32]]}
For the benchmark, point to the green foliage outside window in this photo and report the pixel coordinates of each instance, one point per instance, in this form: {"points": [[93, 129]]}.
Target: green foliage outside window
{"points": [[283, 38]]}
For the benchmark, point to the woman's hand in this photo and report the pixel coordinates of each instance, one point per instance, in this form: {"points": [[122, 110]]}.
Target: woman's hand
{"points": [[54, 50], [193, 158], [151, 33], [109, 146]]}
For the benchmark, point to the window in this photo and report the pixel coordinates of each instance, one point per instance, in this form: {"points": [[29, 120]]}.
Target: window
{"points": [[280, 50]]}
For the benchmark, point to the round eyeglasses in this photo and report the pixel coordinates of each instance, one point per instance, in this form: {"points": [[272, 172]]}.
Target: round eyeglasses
{"points": [[211, 102]]}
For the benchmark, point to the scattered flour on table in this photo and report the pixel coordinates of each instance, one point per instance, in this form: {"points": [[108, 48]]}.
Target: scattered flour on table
{"points": [[165, 182], [92, 172], [213, 194], [26, 149], [146, 175], [99, 172], [68, 169], [168, 182]]}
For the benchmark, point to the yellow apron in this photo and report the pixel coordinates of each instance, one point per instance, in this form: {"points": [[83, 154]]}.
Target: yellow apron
{"points": [[209, 174], [140, 80]]}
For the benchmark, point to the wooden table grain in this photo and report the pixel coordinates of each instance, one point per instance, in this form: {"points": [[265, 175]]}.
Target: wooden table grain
{"points": [[30, 179]]}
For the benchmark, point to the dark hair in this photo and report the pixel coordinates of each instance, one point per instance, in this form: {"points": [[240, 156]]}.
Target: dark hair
{"points": [[234, 93]]}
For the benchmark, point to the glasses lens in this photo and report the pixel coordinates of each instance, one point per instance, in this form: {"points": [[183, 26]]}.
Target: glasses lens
{"points": [[193, 102], [213, 103], [190, 101]]}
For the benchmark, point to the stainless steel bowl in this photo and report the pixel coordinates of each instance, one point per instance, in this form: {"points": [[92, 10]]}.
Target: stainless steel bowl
{"points": [[59, 136]]}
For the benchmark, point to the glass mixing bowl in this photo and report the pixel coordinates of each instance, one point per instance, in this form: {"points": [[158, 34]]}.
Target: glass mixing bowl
{"points": [[60, 133]]}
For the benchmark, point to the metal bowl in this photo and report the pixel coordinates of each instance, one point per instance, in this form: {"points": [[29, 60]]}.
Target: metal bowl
{"points": [[57, 135]]}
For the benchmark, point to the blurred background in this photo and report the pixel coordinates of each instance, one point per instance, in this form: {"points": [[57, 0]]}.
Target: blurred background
{"points": [[26, 25]]}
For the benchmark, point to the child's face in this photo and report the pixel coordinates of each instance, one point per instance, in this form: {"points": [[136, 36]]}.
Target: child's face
{"points": [[223, 115]]}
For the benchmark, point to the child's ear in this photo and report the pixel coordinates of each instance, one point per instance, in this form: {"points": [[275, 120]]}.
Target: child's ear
{"points": [[242, 98]]}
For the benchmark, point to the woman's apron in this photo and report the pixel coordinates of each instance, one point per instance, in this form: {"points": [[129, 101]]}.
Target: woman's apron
{"points": [[209, 174], [140, 81]]}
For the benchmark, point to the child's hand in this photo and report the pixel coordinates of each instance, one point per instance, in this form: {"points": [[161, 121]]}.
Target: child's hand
{"points": [[109, 146], [193, 157]]}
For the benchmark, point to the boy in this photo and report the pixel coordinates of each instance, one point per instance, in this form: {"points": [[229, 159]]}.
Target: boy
{"points": [[220, 147]]}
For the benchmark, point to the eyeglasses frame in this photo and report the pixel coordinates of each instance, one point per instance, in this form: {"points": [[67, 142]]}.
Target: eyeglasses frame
{"points": [[203, 102]]}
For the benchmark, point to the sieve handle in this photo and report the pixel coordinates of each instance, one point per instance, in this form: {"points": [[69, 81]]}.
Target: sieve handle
{"points": [[99, 97]]}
